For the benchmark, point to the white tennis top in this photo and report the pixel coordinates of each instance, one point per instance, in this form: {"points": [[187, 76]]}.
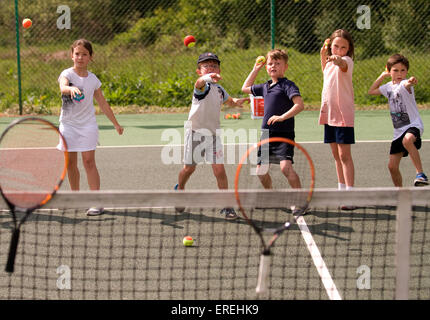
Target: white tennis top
{"points": [[77, 119]]}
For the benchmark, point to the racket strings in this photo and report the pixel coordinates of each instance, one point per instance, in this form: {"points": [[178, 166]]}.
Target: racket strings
{"points": [[31, 167]]}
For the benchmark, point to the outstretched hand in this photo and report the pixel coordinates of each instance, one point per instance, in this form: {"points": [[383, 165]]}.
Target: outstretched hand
{"points": [[337, 60], [74, 92], [240, 101], [214, 77], [412, 81]]}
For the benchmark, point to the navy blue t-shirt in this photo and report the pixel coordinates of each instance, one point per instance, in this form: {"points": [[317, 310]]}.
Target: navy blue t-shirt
{"points": [[277, 101]]}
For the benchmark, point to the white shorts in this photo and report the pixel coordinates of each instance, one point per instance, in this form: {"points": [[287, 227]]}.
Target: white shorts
{"points": [[79, 139], [199, 148]]}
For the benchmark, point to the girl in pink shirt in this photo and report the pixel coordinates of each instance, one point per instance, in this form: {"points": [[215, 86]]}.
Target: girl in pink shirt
{"points": [[337, 105]]}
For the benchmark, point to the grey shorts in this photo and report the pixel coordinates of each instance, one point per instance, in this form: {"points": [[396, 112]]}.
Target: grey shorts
{"points": [[200, 148]]}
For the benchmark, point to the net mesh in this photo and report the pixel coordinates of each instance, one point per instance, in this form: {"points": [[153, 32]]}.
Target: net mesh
{"points": [[135, 251]]}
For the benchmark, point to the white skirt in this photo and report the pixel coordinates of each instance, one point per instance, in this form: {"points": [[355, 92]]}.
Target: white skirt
{"points": [[79, 139]]}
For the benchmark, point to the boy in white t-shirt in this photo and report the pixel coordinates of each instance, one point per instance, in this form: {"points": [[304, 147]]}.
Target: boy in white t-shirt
{"points": [[408, 126], [201, 141]]}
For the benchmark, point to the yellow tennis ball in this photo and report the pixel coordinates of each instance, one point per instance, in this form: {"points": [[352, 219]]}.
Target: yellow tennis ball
{"points": [[260, 59], [188, 241], [26, 23]]}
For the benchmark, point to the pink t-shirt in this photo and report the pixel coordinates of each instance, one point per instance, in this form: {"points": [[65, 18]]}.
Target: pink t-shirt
{"points": [[337, 105]]}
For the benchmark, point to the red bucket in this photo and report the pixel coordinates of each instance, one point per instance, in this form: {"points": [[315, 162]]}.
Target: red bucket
{"points": [[257, 107]]}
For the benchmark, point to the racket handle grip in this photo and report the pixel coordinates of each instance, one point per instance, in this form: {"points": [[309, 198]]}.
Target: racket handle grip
{"points": [[263, 273], [12, 251]]}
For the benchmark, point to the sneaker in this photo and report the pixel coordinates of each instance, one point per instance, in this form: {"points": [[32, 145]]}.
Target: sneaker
{"points": [[95, 211], [229, 213], [300, 210], [421, 180], [178, 209]]}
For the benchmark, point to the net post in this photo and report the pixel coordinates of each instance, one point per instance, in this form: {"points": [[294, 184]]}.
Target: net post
{"points": [[403, 238]]}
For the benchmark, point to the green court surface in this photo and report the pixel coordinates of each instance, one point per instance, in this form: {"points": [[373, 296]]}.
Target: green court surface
{"points": [[134, 161], [147, 129]]}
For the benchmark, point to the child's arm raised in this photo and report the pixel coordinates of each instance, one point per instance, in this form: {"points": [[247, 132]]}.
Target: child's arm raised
{"points": [[337, 60], [210, 77], [374, 88], [105, 107], [236, 102], [324, 53], [246, 87], [412, 81]]}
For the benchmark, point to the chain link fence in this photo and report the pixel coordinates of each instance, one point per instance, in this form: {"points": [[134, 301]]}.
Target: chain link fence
{"points": [[141, 60]]}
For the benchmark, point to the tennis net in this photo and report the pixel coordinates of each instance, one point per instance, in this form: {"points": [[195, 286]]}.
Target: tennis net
{"points": [[134, 250]]}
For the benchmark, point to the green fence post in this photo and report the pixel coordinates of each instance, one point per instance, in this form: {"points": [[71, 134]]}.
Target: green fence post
{"points": [[18, 56], [272, 22]]}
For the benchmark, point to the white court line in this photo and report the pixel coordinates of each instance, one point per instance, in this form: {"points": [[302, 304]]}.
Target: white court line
{"points": [[225, 144], [229, 144], [326, 279]]}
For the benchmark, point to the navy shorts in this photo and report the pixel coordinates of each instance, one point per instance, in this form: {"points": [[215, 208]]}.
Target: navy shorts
{"points": [[343, 135], [277, 151], [397, 145]]}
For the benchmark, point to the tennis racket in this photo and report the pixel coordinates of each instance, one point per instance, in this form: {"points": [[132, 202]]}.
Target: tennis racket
{"points": [[291, 191], [31, 170]]}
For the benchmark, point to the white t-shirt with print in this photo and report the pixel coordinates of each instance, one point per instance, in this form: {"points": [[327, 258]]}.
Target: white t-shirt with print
{"points": [[206, 108], [79, 113], [403, 108]]}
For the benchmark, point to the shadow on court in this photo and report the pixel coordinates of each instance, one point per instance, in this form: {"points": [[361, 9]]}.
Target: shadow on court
{"points": [[141, 168]]}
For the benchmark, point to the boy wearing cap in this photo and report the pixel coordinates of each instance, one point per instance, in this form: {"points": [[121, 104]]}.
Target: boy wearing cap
{"points": [[201, 141]]}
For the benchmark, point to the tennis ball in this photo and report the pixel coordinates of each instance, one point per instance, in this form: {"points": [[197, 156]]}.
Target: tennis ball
{"points": [[26, 23], [188, 241], [260, 59], [326, 44], [189, 41]]}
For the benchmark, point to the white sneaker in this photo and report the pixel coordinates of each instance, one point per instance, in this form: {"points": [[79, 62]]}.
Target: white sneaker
{"points": [[95, 211]]}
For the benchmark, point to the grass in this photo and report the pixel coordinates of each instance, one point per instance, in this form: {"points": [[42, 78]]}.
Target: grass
{"points": [[147, 78]]}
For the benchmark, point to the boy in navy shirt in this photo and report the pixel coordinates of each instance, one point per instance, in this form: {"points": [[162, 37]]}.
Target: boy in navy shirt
{"points": [[282, 101]]}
